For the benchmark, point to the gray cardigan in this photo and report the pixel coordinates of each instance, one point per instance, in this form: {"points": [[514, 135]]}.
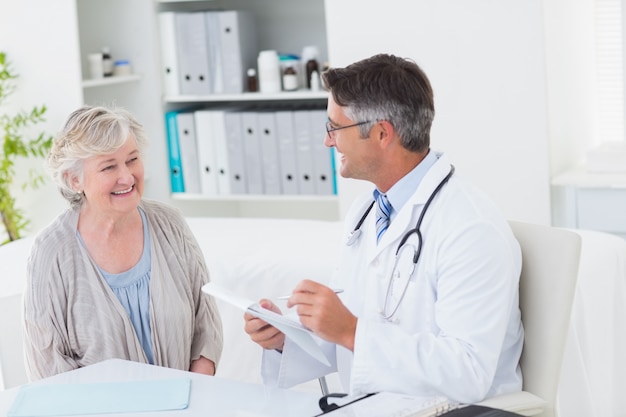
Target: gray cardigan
{"points": [[73, 319]]}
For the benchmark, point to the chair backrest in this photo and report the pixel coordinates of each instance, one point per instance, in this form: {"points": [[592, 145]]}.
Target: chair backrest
{"points": [[13, 260], [12, 367], [550, 264]]}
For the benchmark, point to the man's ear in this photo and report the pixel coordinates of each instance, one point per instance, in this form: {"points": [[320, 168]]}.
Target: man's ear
{"points": [[384, 132]]}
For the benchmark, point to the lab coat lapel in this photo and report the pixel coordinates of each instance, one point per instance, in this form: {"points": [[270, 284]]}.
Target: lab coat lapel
{"points": [[408, 215]]}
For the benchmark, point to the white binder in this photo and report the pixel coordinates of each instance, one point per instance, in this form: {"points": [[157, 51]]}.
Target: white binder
{"points": [[188, 152], [238, 44], [304, 151], [323, 156], [216, 76], [252, 152], [234, 163], [207, 158], [193, 60], [286, 139], [269, 152], [169, 57]]}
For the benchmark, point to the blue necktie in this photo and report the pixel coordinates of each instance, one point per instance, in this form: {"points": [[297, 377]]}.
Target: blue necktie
{"points": [[383, 210]]}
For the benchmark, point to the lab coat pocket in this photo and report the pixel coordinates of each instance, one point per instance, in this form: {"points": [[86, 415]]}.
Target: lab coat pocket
{"points": [[408, 297]]}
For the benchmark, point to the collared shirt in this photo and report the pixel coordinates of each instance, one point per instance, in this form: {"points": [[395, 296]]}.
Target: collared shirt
{"points": [[402, 190]]}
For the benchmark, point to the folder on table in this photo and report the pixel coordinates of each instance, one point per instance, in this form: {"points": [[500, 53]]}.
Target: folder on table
{"points": [[269, 152], [304, 151], [176, 171], [238, 45], [193, 60], [207, 156], [188, 152], [142, 396], [169, 57], [252, 152], [323, 156], [287, 161]]}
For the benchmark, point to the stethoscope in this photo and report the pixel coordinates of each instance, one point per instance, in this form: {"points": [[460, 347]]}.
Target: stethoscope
{"points": [[395, 273]]}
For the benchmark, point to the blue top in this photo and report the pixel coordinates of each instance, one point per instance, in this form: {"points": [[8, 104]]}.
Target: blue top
{"points": [[132, 289]]}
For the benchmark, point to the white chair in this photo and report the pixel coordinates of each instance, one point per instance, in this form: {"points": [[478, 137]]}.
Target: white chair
{"points": [[13, 259], [550, 265]]}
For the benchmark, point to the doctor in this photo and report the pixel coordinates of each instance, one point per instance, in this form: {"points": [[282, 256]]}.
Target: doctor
{"points": [[430, 301]]}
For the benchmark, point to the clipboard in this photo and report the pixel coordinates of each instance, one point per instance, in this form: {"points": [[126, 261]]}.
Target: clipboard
{"points": [[290, 326]]}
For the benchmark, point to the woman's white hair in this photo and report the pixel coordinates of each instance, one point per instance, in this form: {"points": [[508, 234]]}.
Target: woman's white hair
{"points": [[89, 131]]}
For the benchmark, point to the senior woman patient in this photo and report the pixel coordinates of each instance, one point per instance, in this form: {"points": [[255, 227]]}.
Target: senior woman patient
{"points": [[115, 275]]}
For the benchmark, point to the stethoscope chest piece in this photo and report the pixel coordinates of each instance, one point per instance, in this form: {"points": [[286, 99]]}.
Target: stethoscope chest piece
{"points": [[353, 237]]}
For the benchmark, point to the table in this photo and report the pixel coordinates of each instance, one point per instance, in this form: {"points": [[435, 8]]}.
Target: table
{"points": [[210, 396]]}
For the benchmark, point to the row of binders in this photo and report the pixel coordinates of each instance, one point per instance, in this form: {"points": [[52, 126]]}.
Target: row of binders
{"points": [[206, 52], [226, 151]]}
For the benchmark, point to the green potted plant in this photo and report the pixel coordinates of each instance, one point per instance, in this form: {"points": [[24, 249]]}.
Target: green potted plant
{"points": [[15, 145]]}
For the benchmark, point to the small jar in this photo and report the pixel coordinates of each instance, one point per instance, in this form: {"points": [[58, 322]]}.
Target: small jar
{"points": [[312, 70], [107, 62], [290, 79], [252, 80], [122, 67]]}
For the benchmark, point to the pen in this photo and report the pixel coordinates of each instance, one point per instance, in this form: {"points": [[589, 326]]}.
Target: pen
{"points": [[284, 297]]}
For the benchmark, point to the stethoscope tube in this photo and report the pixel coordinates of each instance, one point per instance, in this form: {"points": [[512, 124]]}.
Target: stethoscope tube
{"points": [[416, 229], [354, 236], [356, 233]]}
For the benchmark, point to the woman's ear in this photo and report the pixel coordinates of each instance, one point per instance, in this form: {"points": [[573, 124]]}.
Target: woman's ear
{"points": [[74, 182]]}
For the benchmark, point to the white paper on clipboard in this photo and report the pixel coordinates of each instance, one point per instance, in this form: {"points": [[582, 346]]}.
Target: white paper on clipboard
{"points": [[292, 328]]}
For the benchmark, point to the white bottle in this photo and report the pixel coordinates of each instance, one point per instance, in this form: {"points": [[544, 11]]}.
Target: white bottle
{"points": [[96, 68], [269, 72], [315, 81]]}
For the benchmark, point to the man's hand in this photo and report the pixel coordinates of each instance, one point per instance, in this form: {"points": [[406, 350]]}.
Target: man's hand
{"points": [[266, 335], [321, 310]]}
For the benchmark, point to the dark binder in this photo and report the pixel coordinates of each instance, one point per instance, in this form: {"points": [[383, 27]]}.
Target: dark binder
{"points": [[479, 411]]}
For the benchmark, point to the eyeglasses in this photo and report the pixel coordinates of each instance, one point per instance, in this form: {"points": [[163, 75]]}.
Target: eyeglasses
{"points": [[330, 129]]}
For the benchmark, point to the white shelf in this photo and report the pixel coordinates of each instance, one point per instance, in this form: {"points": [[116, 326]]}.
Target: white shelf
{"points": [[248, 97], [255, 198], [106, 81]]}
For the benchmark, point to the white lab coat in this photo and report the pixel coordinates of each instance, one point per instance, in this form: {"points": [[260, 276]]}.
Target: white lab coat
{"points": [[457, 332]]}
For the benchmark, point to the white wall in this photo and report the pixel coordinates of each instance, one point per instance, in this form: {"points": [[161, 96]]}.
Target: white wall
{"points": [[486, 62], [570, 60], [40, 39], [513, 82]]}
